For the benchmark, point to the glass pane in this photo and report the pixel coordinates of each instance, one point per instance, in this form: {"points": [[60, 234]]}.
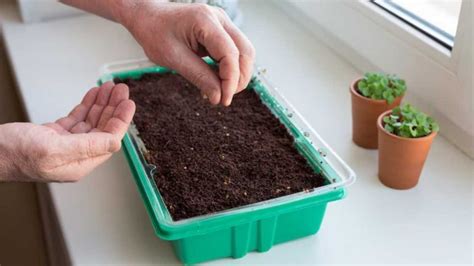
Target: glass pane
{"points": [[436, 18]]}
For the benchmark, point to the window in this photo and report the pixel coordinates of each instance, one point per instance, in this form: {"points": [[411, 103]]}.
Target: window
{"points": [[427, 42], [436, 19]]}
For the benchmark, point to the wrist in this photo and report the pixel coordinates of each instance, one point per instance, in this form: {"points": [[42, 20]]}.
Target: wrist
{"points": [[126, 12], [130, 12]]}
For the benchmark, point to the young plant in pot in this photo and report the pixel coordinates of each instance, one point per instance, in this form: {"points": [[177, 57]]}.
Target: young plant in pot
{"points": [[404, 137], [372, 95]]}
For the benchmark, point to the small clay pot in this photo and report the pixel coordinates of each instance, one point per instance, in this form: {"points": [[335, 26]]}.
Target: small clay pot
{"points": [[401, 159], [365, 112]]}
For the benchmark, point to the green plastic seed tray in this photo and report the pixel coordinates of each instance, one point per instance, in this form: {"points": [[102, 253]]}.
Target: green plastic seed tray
{"points": [[255, 227]]}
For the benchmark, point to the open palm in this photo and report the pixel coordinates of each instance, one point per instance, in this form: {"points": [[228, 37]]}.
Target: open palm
{"points": [[73, 146]]}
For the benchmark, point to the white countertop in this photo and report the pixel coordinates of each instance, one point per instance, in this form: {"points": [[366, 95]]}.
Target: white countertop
{"points": [[104, 220]]}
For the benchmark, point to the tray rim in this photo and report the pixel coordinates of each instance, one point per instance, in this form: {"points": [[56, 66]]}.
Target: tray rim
{"points": [[164, 226]]}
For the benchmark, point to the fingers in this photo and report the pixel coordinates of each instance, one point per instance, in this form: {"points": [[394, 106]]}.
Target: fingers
{"points": [[222, 48], [121, 119], [111, 112], [79, 112], [119, 93], [100, 103], [81, 127], [194, 69], [103, 108], [246, 52]]}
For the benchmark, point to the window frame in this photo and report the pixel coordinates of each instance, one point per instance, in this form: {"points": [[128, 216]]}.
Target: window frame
{"points": [[430, 30], [439, 79]]}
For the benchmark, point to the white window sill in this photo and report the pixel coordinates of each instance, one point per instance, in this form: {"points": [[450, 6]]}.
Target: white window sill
{"points": [[103, 217]]}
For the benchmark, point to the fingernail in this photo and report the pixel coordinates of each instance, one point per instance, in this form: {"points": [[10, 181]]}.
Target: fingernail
{"points": [[228, 102]]}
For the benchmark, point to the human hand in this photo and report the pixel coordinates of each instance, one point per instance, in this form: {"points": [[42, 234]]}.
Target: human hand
{"points": [[71, 147], [178, 35]]}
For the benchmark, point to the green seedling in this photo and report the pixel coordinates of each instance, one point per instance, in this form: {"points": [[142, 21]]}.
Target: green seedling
{"points": [[409, 122], [380, 86]]}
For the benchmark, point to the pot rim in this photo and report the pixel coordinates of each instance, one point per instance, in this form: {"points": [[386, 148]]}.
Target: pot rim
{"points": [[381, 128], [354, 92]]}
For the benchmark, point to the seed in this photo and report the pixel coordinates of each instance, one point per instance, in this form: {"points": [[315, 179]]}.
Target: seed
{"points": [[219, 113], [222, 156], [185, 168], [227, 134], [288, 187], [197, 114], [224, 127], [226, 196], [245, 193], [192, 148]]}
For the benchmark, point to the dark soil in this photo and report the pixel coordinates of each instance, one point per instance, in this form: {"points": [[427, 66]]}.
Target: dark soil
{"points": [[211, 158]]}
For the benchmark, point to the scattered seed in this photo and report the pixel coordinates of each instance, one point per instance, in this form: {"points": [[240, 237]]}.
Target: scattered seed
{"points": [[245, 193], [219, 113], [185, 168], [192, 148], [226, 196], [288, 187], [226, 180], [224, 127], [227, 134], [222, 156], [197, 114]]}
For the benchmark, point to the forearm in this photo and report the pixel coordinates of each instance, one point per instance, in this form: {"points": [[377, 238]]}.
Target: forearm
{"points": [[8, 170], [115, 10]]}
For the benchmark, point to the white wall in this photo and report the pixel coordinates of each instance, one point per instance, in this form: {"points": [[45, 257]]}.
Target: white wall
{"points": [[42, 10]]}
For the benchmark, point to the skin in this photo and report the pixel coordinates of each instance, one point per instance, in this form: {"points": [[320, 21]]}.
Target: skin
{"points": [[178, 35], [172, 35], [71, 147]]}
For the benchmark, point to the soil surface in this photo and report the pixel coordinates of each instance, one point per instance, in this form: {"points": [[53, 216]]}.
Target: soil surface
{"points": [[212, 158]]}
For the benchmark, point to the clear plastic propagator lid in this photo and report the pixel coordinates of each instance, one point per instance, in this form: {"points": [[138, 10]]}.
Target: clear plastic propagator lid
{"points": [[338, 173]]}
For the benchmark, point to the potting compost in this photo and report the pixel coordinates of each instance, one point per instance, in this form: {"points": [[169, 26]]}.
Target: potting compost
{"points": [[213, 158]]}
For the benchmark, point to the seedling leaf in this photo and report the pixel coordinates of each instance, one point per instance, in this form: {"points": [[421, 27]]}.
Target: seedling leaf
{"points": [[408, 122], [380, 86]]}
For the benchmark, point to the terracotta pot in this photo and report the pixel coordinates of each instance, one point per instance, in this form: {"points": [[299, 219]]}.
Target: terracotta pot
{"points": [[401, 159], [365, 112]]}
